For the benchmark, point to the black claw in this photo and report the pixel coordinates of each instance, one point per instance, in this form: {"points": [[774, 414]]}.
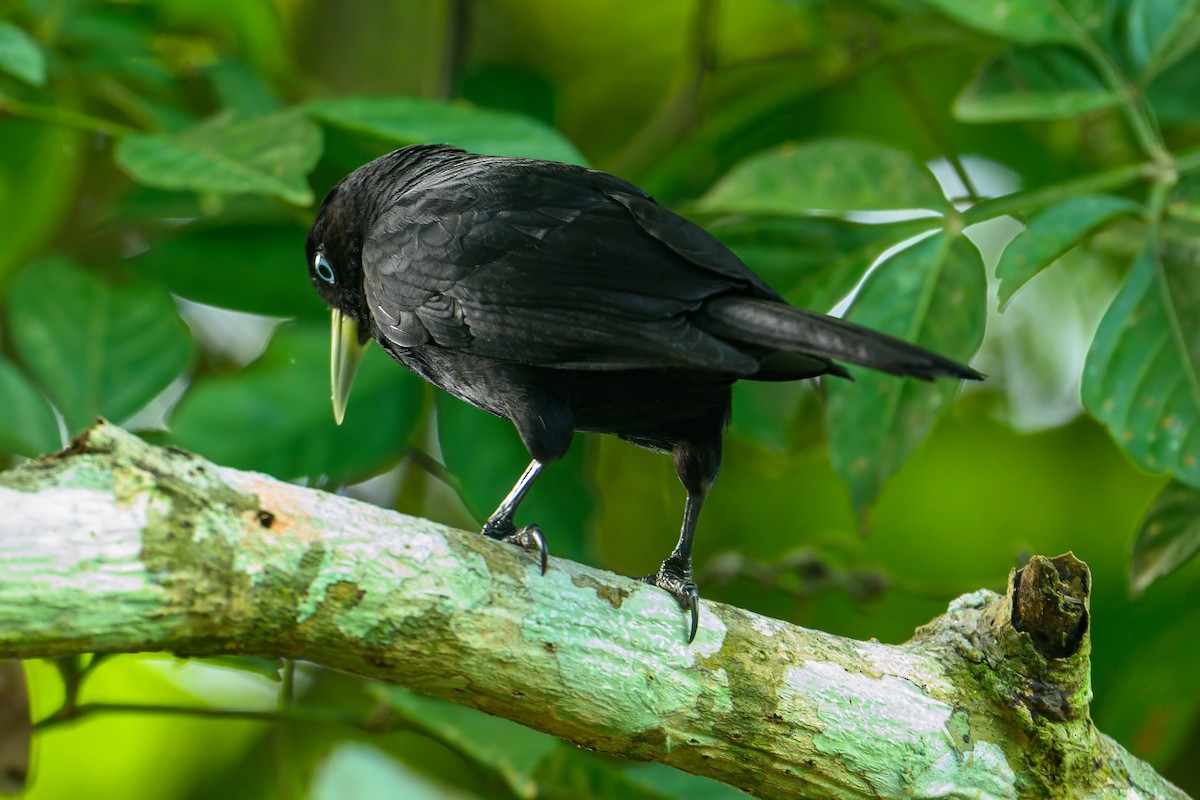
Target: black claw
{"points": [[529, 538], [683, 590]]}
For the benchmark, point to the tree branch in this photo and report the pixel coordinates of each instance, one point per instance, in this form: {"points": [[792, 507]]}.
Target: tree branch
{"points": [[117, 546]]}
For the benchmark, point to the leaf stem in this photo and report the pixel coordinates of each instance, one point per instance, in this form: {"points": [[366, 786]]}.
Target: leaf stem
{"points": [[291, 714], [1144, 128], [64, 117], [1044, 196]]}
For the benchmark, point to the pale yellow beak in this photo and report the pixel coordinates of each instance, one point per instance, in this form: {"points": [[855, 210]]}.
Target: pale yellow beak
{"points": [[344, 356]]}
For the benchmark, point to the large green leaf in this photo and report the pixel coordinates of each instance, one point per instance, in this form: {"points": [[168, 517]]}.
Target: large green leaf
{"points": [[1142, 376], [813, 262], [505, 748], [275, 416], [1160, 32], [408, 120], [485, 454], [258, 268], [1167, 537], [265, 155], [825, 175], [20, 55], [1033, 83], [1052, 232], [27, 425], [1018, 20], [932, 294], [39, 172], [97, 349]]}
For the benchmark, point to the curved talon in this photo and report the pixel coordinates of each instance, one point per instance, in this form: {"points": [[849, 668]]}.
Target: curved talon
{"points": [[529, 538], [693, 605], [685, 592]]}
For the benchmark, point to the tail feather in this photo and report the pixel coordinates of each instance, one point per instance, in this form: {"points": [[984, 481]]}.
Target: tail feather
{"points": [[790, 329]]}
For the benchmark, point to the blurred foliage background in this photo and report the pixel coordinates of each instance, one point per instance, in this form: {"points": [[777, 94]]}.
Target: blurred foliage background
{"points": [[160, 161]]}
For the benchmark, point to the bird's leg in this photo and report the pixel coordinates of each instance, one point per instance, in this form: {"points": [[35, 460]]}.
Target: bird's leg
{"points": [[675, 575], [500, 524]]}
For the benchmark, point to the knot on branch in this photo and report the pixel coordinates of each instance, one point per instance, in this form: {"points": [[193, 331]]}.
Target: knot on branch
{"points": [[1050, 603]]}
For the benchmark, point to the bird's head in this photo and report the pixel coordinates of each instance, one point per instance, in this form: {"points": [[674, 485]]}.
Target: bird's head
{"points": [[334, 250]]}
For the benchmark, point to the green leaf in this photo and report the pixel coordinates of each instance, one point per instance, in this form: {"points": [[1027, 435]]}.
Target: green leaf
{"points": [[97, 349], [1018, 20], [275, 416], [407, 120], [932, 294], [1052, 232], [1160, 32], [485, 454], [1142, 376], [1033, 83], [358, 770], [266, 155], [21, 56], [27, 426], [1167, 537], [257, 268], [501, 746], [39, 174], [825, 175], [813, 262]]}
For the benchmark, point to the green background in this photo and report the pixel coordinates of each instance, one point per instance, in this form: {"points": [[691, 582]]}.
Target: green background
{"points": [[160, 160]]}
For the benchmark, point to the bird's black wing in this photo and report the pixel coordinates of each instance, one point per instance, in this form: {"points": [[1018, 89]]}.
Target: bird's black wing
{"points": [[547, 264]]}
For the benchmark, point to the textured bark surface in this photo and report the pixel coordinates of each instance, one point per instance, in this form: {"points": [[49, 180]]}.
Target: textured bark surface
{"points": [[117, 546]]}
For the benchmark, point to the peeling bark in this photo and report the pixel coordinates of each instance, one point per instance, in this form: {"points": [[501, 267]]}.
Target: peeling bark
{"points": [[117, 546]]}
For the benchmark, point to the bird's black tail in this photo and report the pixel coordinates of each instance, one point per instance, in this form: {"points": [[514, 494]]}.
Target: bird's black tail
{"points": [[778, 325]]}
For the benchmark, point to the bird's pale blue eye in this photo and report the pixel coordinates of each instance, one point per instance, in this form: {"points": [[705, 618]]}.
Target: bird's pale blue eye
{"points": [[324, 271]]}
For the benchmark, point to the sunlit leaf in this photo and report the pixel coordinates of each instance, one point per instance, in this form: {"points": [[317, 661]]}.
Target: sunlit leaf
{"points": [[825, 175], [501, 746], [1142, 376], [358, 770], [486, 456], [265, 155], [1034, 83], [268, 668], [813, 262], [97, 349], [1160, 32], [21, 56], [1018, 20], [1052, 232], [275, 416], [932, 294], [27, 424], [1167, 537], [258, 268], [408, 120]]}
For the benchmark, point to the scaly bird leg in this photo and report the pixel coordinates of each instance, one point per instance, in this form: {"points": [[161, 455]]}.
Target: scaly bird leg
{"points": [[675, 575], [500, 524]]}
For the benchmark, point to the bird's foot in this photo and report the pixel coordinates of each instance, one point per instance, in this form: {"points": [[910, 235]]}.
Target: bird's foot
{"points": [[679, 584], [529, 537]]}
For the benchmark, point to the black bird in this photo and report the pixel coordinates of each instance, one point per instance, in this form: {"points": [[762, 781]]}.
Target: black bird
{"points": [[566, 299]]}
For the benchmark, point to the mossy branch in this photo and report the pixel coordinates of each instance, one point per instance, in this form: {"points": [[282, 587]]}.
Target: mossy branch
{"points": [[117, 546]]}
